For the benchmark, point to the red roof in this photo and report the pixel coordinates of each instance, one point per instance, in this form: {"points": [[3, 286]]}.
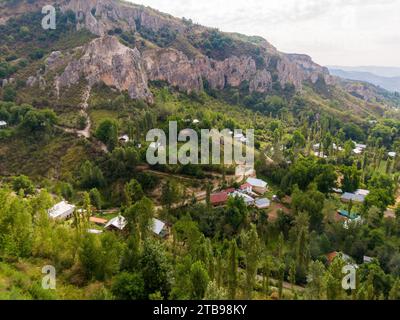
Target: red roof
{"points": [[220, 197], [245, 186], [331, 256]]}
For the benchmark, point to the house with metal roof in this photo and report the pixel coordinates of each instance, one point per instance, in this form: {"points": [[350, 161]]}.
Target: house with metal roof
{"points": [[347, 197], [247, 199], [258, 185], [117, 223], [61, 211], [219, 199], [263, 203], [159, 228]]}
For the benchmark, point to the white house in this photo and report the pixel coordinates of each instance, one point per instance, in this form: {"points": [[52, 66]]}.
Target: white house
{"points": [[3, 124], [320, 155], [62, 210], [258, 185], [196, 121], [244, 171], [247, 199], [159, 228], [117, 223], [263, 203], [392, 154], [362, 192]]}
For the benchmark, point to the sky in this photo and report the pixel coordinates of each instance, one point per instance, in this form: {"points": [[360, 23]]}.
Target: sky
{"points": [[332, 32]]}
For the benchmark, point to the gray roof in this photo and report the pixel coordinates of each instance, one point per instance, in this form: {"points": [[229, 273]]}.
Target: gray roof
{"points": [[353, 197], [262, 203]]}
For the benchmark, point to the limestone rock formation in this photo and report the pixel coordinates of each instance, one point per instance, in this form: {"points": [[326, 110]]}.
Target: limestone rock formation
{"points": [[106, 60]]}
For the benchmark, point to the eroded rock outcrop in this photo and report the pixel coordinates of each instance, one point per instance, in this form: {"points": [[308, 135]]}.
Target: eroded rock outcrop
{"points": [[106, 60]]}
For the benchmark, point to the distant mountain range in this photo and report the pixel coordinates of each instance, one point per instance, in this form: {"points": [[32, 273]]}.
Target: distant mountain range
{"points": [[384, 77]]}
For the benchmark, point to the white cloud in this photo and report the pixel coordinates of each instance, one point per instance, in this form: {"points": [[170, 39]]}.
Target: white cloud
{"points": [[341, 32]]}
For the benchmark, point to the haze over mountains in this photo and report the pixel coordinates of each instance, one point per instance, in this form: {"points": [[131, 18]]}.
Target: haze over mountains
{"points": [[385, 77]]}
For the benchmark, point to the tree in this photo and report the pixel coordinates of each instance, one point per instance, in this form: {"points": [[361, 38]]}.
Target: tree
{"points": [[128, 286], [107, 132], [9, 94], [89, 255], [351, 178], [156, 269], [95, 198], [232, 273], [133, 192], [170, 194], [39, 120], [395, 291], [326, 180], [252, 249], [311, 202], [23, 183], [302, 241], [236, 212], [215, 293], [140, 217], [91, 176], [333, 280], [199, 280], [374, 217], [315, 289]]}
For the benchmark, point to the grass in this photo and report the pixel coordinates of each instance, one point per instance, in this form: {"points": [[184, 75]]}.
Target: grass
{"points": [[44, 156], [22, 280], [97, 116]]}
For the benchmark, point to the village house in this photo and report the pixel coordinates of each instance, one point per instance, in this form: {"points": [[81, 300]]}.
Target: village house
{"points": [[320, 155], [359, 148], [61, 211], [347, 197], [259, 186], [392, 154], [340, 255], [263, 203], [219, 199], [246, 198], [246, 188], [118, 223], [3, 124], [245, 171], [362, 192]]}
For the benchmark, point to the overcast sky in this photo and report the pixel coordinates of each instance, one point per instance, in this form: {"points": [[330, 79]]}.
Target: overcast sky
{"points": [[333, 32]]}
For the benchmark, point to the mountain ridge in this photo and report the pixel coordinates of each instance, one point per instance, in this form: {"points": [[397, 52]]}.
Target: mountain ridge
{"points": [[388, 83], [196, 53]]}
